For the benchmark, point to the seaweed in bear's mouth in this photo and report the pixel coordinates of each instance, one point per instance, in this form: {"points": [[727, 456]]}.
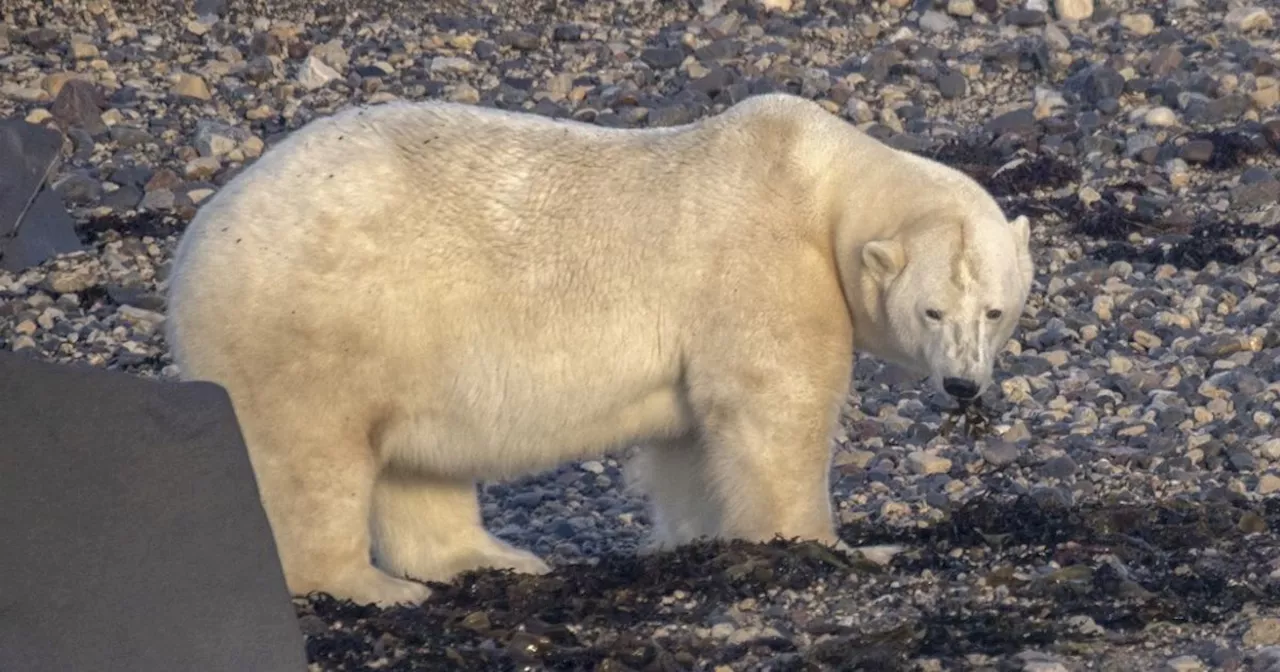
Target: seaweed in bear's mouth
{"points": [[973, 417]]}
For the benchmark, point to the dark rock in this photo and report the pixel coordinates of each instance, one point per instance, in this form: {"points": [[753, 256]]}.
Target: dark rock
{"points": [[1103, 82], [520, 39], [1256, 174], [1060, 467], [719, 50], [42, 39], [1021, 121], [136, 461], [134, 175], [127, 197], [1025, 17], [1108, 106], [210, 7], [78, 188], [569, 32], [485, 49], [1165, 61], [79, 105], [1242, 460], [713, 82], [260, 69], [1256, 194], [129, 136], [1196, 151], [880, 63], [33, 223], [30, 152], [265, 44], [662, 58], [1271, 131], [670, 115], [952, 85]]}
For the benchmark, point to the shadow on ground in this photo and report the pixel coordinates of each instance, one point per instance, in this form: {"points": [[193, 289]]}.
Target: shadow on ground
{"points": [[1125, 567]]}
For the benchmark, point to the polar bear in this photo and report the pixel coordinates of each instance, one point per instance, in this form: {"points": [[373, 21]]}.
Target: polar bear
{"points": [[403, 300]]}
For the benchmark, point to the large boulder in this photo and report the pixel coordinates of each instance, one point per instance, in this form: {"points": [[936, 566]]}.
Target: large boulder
{"points": [[133, 536]]}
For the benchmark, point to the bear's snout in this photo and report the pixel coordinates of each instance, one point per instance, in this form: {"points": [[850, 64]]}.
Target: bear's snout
{"points": [[960, 388]]}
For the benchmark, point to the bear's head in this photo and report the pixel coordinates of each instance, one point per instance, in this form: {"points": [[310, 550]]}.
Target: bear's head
{"points": [[947, 295]]}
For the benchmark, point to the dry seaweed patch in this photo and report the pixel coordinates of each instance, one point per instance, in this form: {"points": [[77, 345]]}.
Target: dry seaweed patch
{"points": [[1002, 574], [1189, 244], [1006, 176]]}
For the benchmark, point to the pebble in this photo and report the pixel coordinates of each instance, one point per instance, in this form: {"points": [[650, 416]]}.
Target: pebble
{"points": [[1263, 632], [1138, 23], [965, 8], [315, 73], [933, 21], [928, 463], [1248, 18], [1160, 117], [1184, 664], [1001, 453], [191, 86]]}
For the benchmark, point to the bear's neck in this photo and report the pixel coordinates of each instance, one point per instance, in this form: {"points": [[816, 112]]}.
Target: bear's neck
{"points": [[882, 193]]}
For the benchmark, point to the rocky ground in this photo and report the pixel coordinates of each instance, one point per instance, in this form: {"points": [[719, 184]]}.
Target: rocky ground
{"points": [[1111, 508]]}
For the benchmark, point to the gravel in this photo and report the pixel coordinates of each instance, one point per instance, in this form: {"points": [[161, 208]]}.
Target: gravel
{"points": [[1111, 506]]}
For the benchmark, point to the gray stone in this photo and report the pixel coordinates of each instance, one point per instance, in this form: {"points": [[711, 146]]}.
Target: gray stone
{"points": [[952, 85], [1060, 467], [1196, 151], [1256, 194], [1021, 121], [140, 494], [1001, 453], [79, 105], [210, 7], [46, 231], [33, 223], [934, 21], [78, 188], [661, 58], [1025, 18]]}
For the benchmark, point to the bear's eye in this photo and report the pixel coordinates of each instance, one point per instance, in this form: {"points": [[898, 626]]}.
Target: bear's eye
{"points": [[994, 314], [933, 314]]}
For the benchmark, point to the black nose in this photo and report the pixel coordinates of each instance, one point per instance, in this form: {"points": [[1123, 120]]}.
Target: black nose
{"points": [[960, 388]]}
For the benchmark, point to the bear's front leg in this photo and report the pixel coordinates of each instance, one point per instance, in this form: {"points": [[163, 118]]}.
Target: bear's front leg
{"points": [[766, 431]]}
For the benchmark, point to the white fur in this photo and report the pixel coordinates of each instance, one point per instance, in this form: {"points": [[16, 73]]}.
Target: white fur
{"points": [[405, 299]]}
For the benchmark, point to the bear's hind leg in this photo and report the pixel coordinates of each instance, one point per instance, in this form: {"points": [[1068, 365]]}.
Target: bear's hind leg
{"points": [[316, 480], [673, 477], [429, 528]]}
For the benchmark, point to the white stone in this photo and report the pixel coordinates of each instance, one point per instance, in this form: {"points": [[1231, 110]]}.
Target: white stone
{"points": [[927, 463], [1073, 10], [1160, 117], [315, 73], [1244, 19], [961, 7]]}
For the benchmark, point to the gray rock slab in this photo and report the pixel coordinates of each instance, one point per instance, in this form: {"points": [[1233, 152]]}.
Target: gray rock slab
{"points": [[34, 224], [46, 230], [133, 536], [30, 151]]}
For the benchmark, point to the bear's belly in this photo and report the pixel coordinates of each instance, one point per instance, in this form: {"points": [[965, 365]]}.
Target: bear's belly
{"points": [[491, 433]]}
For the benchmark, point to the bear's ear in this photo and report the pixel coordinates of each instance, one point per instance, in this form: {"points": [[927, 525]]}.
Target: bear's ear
{"points": [[884, 259], [1022, 229]]}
